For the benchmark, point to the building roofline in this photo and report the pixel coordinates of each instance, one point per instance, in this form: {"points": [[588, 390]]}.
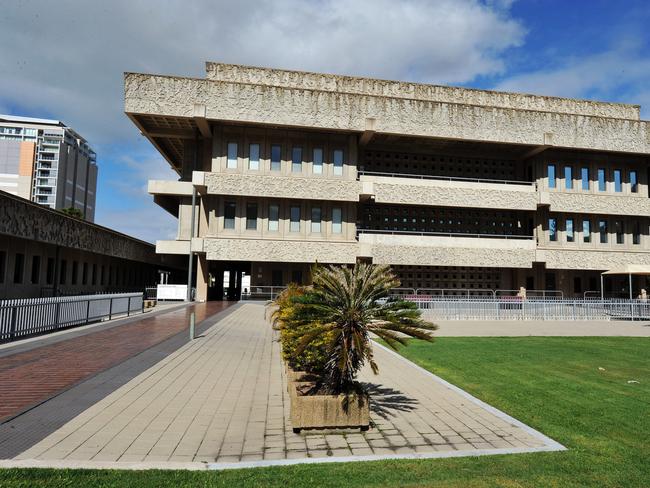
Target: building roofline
{"points": [[367, 78], [58, 213], [30, 120]]}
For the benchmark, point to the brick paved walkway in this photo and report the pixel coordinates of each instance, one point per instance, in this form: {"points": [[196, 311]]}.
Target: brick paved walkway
{"points": [[28, 378], [223, 398]]}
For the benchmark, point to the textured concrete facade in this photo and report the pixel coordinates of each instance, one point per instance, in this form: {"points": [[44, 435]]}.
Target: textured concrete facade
{"points": [[280, 251], [456, 188], [416, 91], [282, 187], [45, 252], [260, 104], [409, 191]]}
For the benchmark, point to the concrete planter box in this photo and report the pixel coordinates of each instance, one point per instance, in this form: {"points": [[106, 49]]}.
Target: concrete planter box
{"points": [[325, 411]]}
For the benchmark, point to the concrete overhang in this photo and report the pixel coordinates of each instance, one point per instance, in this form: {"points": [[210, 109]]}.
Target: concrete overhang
{"points": [[161, 105]]}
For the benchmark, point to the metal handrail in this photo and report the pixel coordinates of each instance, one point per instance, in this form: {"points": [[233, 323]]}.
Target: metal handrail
{"points": [[557, 293], [20, 318], [446, 178], [443, 234]]}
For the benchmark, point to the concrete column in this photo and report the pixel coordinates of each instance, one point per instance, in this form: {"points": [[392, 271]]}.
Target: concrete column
{"points": [[201, 278]]}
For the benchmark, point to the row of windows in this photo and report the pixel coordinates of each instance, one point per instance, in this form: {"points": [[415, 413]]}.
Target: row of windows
{"points": [[295, 218], [602, 230], [89, 273], [584, 179], [297, 159]]}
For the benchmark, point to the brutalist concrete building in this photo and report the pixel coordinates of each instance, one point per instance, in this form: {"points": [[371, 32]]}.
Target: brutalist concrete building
{"points": [[457, 189]]}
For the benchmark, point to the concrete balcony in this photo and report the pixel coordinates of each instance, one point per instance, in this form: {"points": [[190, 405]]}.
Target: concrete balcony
{"points": [[280, 250], [449, 192], [314, 188], [594, 203], [592, 259], [164, 187], [420, 249]]}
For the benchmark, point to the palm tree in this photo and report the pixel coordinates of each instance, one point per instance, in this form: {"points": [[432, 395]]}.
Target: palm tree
{"points": [[344, 307]]}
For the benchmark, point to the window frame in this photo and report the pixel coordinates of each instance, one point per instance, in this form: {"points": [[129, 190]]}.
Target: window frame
{"points": [[251, 222], [337, 169], [292, 220], [273, 162], [250, 159], [318, 165], [226, 206]]}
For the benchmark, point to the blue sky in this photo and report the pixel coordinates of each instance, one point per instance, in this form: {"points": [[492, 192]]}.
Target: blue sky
{"points": [[65, 60]]}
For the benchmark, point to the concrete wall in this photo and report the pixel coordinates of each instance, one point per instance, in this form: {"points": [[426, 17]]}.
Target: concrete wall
{"points": [[309, 108], [418, 91], [411, 191]]}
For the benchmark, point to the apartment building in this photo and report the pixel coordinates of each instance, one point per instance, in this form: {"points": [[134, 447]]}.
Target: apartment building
{"points": [[457, 189], [48, 163]]}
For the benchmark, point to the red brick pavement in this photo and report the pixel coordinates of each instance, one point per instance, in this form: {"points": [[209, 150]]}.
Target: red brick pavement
{"points": [[28, 378]]}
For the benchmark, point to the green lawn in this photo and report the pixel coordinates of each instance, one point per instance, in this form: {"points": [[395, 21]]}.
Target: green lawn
{"points": [[553, 384]]}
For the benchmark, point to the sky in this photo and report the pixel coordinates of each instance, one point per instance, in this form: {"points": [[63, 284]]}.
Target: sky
{"points": [[65, 60]]}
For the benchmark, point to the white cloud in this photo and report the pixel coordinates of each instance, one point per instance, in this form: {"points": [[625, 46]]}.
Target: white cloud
{"points": [[619, 74], [67, 57]]}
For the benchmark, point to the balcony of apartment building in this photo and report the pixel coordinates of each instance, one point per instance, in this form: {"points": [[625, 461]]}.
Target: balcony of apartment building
{"points": [[446, 173], [444, 236], [595, 184]]}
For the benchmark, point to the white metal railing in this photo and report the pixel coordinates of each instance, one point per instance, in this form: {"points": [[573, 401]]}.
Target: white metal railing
{"points": [[535, 308], [262, 292], [445, 178], [30, 316]]}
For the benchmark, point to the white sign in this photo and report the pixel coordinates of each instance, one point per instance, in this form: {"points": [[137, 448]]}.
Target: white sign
{"points": [[171, 292]]}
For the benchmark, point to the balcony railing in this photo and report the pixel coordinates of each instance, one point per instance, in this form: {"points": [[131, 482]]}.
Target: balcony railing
{"points": [[443, 234], [445, 178]]}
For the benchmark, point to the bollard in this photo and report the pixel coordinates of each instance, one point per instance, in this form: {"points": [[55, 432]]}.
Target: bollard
{"points": [[192, 326]]}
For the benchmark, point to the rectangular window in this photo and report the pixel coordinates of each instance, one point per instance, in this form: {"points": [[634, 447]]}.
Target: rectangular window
{"points": [[318, 161], [602, 230], [620, 232], [337, 220], [102, 275], [3, 265], [552, 230], [49, 273], [229, 210], [232, 155], [75, 272], [586, 231], [618, 183], [63, 272], [94, 274], [570, 237], [251, 216], [568, 177], [254, 156], [274, 217], [19, 267], [84, 274], [602, 184], [315, 220], [276, 157], [294, 223], [636, 235], [577, 284], [296, 160], [36, 270], [634, 182], [551, 176], [338, 162], [584, 176]]}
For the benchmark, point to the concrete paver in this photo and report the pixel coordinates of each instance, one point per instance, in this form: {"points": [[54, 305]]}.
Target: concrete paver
{"points": [[28, 378], [223, 398]]}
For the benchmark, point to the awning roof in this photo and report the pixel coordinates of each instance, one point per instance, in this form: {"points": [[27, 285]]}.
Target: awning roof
{"points": [[630, 269]]}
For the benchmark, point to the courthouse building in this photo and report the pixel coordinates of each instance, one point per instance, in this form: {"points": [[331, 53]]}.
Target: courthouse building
{"points": [[455, 188]]}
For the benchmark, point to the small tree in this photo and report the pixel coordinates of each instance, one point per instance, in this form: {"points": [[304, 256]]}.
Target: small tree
{"points": [[73, 212], [343, 308]]}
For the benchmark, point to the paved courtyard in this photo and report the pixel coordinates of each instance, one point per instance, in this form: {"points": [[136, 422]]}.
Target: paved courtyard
{"points": [[222, 399]]}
